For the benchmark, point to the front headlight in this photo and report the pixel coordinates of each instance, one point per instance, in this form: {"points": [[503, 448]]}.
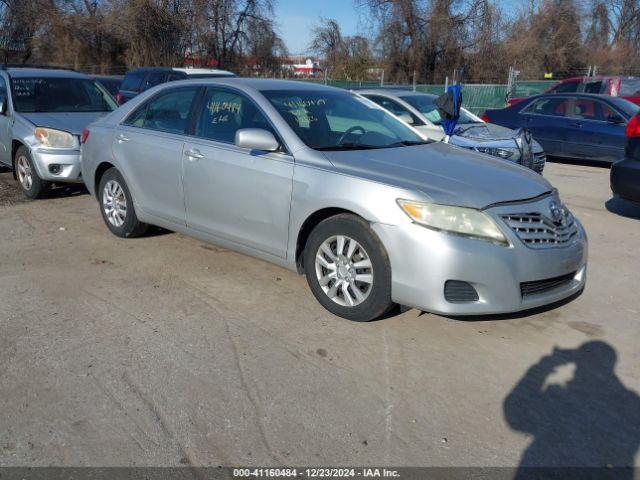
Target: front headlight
{"points": [[496, 152], [468, 222], [54, 138]]}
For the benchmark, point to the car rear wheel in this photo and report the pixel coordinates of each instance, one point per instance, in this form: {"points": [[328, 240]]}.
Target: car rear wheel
{"points": [[30, 182], [116, 206], [347, 268]]}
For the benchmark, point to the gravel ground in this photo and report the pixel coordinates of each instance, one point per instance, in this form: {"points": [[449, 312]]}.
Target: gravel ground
{"points": [[167, 351]]}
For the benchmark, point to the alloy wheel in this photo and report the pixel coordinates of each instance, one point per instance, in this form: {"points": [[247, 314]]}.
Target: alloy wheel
{"points": [[344, 270], [25, 174], [114, 203]]}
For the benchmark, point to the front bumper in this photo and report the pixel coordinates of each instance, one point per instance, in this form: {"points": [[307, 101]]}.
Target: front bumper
{"points": [[57, 165], [539, 161], [423, 260], [625, 179]]}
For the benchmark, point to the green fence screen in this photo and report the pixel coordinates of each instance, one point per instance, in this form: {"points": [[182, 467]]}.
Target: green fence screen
{"points": [[475, 97]]}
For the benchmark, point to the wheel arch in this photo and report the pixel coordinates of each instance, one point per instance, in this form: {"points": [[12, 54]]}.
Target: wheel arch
{"points": [[309, 224], [100, 171], [15, 145]]}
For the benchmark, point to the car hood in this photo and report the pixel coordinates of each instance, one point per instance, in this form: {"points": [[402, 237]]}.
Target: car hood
{"points": [[73, 123], [446, 174], [484, 131]]}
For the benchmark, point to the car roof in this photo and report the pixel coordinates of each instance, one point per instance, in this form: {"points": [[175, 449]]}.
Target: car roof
{"points": [[596, 78], [202, 71], [188, 71], [586, 79], [398, 92], [107, 77], [574, 95], [261, 84], [43, 73]]}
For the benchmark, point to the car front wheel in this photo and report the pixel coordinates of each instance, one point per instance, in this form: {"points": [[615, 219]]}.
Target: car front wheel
{"points": [[116, 206], [348, 269], [32, 185]]}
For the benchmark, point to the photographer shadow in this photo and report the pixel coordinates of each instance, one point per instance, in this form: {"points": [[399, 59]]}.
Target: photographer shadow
{"points": [[587, 428]]}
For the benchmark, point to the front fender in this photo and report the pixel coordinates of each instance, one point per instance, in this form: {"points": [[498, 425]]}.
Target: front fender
{"points": [[316, 188]]}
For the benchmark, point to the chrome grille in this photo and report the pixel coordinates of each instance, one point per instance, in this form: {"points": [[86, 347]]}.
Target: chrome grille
{"points": [[538, 231]]}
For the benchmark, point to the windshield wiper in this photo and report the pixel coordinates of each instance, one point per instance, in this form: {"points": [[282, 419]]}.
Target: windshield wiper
{"points": [[347, 146], [408, 143]]}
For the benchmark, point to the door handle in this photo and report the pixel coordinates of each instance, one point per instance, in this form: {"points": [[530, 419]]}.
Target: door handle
{"points": [[193, 154], [121, 137], [577, 124]]}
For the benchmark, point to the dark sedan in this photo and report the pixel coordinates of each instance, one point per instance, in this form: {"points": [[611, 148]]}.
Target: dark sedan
{"points": [[110, 82], [581, 126], [625, 174]]}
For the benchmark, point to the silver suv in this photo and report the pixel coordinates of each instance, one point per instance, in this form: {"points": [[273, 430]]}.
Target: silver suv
{"points": [[43, 113]]}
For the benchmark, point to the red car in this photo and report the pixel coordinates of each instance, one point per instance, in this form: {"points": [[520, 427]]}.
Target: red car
{"points": [[614, 86]]}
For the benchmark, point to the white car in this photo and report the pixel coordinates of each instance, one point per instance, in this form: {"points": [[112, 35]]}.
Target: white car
{"points": [[420, 111]]}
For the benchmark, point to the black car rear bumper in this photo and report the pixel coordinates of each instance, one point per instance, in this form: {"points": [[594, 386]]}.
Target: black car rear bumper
{"points": [[625, 179]]}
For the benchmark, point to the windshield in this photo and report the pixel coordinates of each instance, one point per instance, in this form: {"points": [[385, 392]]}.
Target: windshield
{"points": [[328, 120], [32, 95], [426, 105]]}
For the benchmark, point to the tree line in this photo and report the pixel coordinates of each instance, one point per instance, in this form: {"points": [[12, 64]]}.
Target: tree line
{"points": [[424, 40], [110, 36], [481, 39]]}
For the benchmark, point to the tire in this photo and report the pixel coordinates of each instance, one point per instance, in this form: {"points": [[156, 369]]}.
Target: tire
{"points": [[116, 206], [368, 270], [30, 182]]}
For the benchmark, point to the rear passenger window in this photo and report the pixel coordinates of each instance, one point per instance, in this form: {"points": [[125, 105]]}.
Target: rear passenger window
{"points": [[224, 113], [552, 107], [168, 112]]}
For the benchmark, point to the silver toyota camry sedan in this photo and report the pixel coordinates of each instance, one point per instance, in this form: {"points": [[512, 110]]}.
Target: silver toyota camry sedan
{"points": [[327, 183]]}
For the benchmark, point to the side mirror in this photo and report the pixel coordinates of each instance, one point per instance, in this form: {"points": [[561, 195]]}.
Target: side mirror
{"points": [[256, 139], [614, 118], [3, 106], [406, 118]]}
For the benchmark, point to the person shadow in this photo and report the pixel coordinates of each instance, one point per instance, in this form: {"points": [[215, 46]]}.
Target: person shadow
{"points": [[587, 428]]}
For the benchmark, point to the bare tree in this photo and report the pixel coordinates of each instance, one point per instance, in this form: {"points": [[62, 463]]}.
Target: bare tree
{"points": [[424, 36], [327, 42]]}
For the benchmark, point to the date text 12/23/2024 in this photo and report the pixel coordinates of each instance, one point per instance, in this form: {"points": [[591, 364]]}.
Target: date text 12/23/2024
{"points": [[315, 473]]}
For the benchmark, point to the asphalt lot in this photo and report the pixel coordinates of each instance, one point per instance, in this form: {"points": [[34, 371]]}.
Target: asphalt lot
{"points": [[166, 351]]}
